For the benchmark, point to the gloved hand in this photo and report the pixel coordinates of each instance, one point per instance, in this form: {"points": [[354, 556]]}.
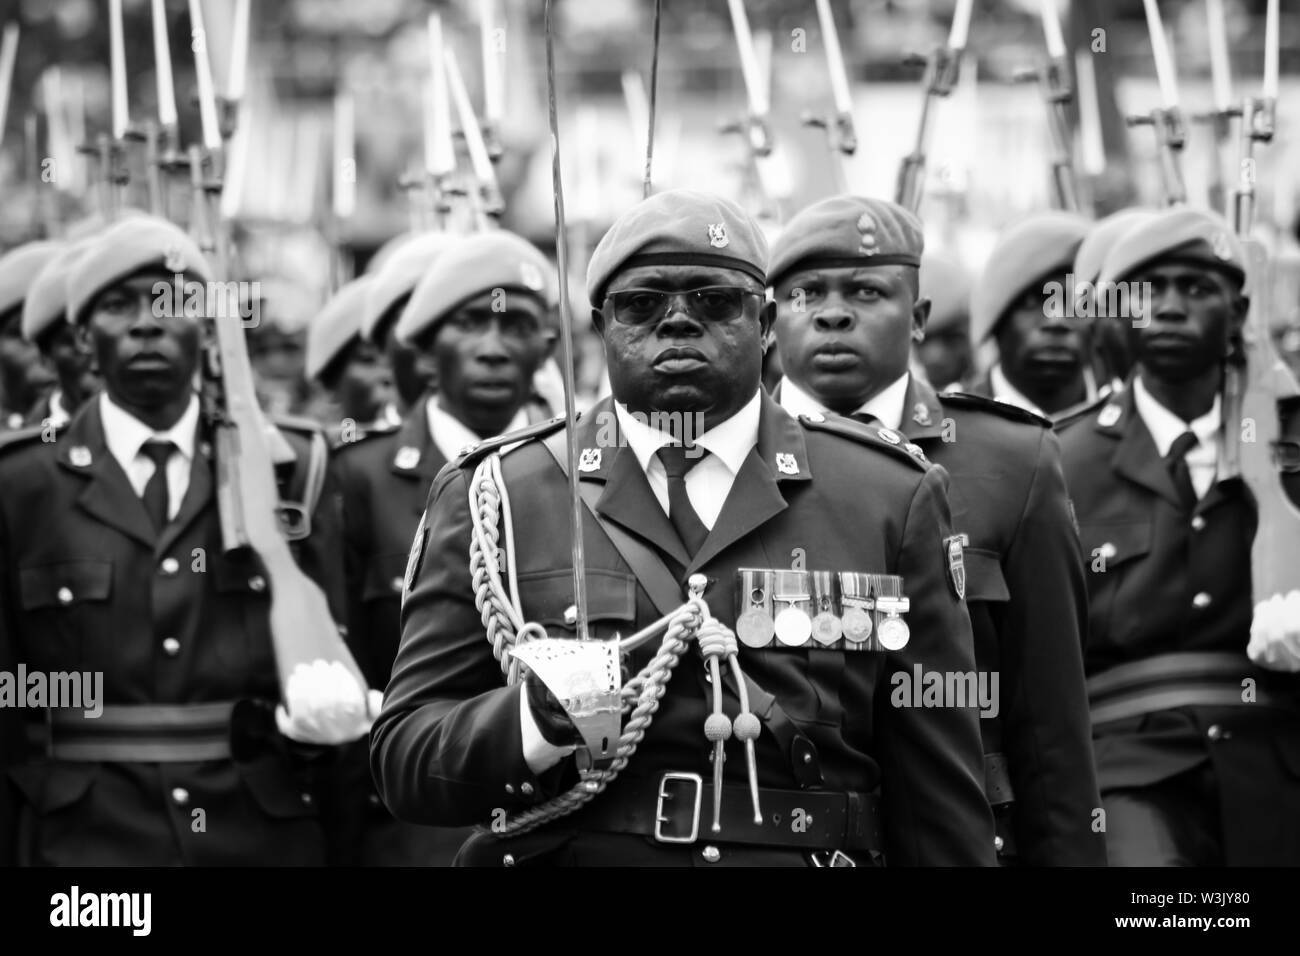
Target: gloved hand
{"points": [[326, 705], [1275, 633], [555, 726]]}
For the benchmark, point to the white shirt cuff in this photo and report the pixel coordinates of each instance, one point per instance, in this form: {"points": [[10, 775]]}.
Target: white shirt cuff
{"points": [[539, 753]]}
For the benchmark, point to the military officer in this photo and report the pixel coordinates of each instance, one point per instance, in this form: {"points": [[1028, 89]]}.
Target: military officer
{"points": [[481, 320], [1193, 769], [945, 352], [44, 323], [1023, 302], [112, 567], [844, 279], [24, 378], [690, 467], [351, 369]]}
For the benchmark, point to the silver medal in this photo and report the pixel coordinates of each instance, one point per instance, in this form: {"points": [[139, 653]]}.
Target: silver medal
{"points": [[793, 628], [754, 628], [893, 634], [857, 624], [826, 628]]}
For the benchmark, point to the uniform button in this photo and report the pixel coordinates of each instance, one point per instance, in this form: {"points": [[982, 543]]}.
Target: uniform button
{"points": [[998, 843], [1215, 732], [1198, 523], [169, 566], [373, 799], [1107, 550], [396, 584], [306, 799], [1202, 601], [508, 860], [510, 788], [171, 646], [526, 789], [257, 582], [180, 796], [711, 854], [65, 595]]}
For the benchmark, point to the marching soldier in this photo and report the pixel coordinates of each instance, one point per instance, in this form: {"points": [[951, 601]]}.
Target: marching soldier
{"points": [[481, 322], [844, 277], [1019, 301], [1194, 771], [945, 352], [352, 370], [45, 325], [691, 468], [112, 568], [24, 378]]}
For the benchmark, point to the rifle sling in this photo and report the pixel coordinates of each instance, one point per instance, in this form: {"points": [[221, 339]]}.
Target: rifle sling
{"points": [[661, 585]]}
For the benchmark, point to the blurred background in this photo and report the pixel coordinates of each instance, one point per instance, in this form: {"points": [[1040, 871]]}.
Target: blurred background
{"points": [[332, 118]]}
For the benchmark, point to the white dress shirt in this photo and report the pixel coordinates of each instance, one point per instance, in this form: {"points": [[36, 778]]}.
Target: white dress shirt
{"points": [[1165, 426], [450, 436], [1004, 391], [125, 435], [707, 485], [886, 405], [58, 414]]}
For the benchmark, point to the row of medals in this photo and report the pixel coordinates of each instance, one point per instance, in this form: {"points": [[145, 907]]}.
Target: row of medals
{"points": [[867, 604]]}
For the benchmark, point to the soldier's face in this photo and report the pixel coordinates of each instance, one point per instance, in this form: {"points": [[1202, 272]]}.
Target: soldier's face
{"points": [[681, 360], [946, 354], [484, 355], [146, 353], [24, 377], [71, 360], [846, 334], [365, 384], [1193, 311], [1038, 342]]}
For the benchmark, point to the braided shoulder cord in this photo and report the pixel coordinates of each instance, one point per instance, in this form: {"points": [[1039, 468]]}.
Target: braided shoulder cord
{"points": [[504, 627]]}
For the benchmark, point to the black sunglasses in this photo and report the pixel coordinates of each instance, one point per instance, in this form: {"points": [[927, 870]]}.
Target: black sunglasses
{"points": [[713, 303]]}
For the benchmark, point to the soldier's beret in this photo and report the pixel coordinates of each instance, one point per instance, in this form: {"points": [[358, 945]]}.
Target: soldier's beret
{"points": [[946, 283], [18, 267], [477, 264], [47, 299], [1193, 235], [125, 248], [1101, 237], [1032, 248], [847, 231], [678, 227], [336, 325], [405, 266]]}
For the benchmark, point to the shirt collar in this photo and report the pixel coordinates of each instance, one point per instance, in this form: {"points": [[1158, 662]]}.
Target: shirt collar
{"points": [[451, 436], [124, 433], [731, 440], [1165, 426], [1004, 391], [886, 405]]}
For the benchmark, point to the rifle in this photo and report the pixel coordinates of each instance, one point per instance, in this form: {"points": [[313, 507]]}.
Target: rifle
{"points": [[841, 137], [1166, 120], [941, 72]]}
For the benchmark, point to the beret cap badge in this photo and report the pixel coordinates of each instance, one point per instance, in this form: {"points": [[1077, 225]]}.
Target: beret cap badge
{"points": [[1222, 248], [718, 235], [867, 244]]}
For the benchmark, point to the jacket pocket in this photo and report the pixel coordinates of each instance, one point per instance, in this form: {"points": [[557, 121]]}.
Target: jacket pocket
{"points": [[65, 584], [984, 579], [546, 595], [1107, 546], [276, 790], [49, 786]]}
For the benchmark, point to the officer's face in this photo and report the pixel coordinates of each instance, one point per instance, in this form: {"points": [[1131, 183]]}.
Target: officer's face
{"points": [[146, 352], [484, 355], [1039, 343], [1193, 311], [946, 354], [365, 384], [682, 361], [24, 377], [71, 360], [845, 334]]}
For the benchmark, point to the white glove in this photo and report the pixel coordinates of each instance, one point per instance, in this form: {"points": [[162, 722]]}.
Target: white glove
{"points": [[1275, 633], [326, 705]]}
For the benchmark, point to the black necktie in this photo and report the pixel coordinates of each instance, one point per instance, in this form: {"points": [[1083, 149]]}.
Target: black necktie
{"points": [[155, 490], [681, 513], [1176, 461]]}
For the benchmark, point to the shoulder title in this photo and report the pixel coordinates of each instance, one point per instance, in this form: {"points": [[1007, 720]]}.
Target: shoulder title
{"points": [[1002, 409], [1078, 413], [24, 435], [873, 436], [476, 453]]}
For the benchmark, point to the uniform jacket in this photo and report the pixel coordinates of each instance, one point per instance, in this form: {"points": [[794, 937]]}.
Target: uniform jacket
{"points": [[1027, 600], [447, 746], [1162, 579], [86, 584]]}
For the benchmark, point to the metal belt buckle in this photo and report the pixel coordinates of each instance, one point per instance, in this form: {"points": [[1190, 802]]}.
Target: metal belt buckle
{"points": [[660, 819], [834, 858]]}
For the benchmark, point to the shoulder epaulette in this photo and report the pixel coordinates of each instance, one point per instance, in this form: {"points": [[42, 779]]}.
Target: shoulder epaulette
{"points": [[363, 436], [297, 423], [873, 435], [1078, 413], [985, 404], [476, 453], [24, 435]]}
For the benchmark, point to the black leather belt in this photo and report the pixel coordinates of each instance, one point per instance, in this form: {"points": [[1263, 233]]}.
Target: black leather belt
{"points": [[678, 808], [137, 733]]}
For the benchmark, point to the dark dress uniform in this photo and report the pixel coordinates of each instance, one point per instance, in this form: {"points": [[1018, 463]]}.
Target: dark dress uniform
{"points": [[1164, 579], [1027, 601], [88, 585], [448, 749]]}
